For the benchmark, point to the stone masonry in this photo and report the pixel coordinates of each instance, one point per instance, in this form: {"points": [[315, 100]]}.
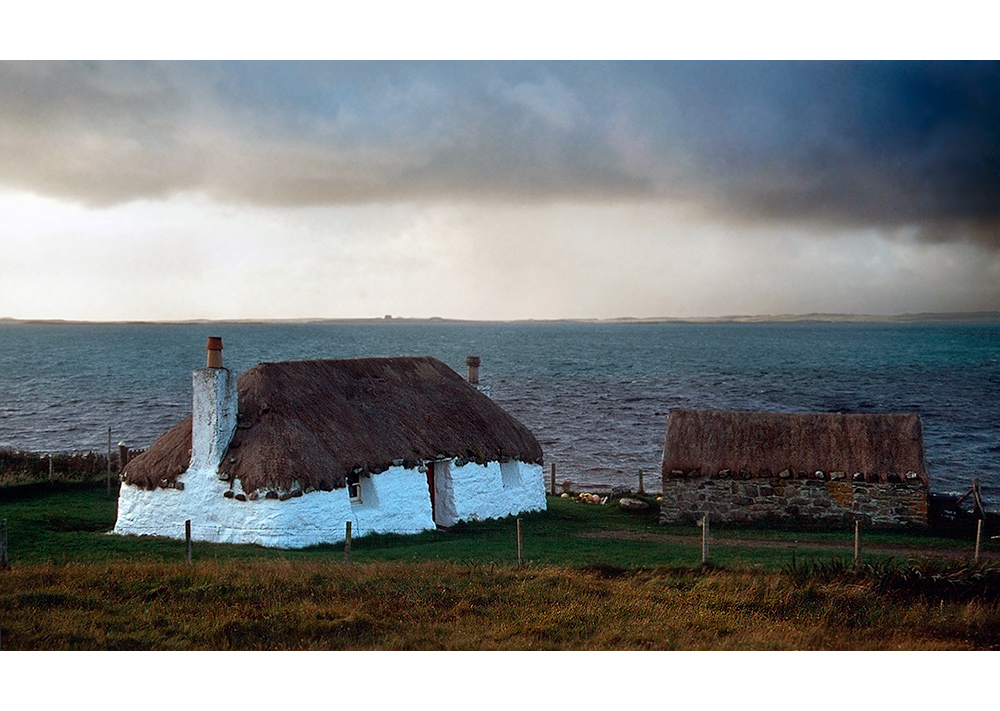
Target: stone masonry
{"points": [[818, 497]]}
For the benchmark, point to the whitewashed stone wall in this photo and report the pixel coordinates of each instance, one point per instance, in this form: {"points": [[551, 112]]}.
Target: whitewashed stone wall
{"points": [[395, 501], [479, 492]]}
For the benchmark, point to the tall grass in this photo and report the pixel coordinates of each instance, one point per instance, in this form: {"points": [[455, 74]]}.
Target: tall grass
{"points": [[931, 579], [278, 605]]}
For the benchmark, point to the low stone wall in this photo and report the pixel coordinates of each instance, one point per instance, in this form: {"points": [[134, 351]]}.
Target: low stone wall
{"points": [[724, 500]]}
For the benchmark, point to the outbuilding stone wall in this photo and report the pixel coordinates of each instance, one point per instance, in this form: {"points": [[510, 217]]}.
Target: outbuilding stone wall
{"points": [[817, 498]]}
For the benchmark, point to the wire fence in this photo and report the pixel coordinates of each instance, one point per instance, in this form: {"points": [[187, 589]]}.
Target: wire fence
{"points": [[970, 529], [17, 467]]}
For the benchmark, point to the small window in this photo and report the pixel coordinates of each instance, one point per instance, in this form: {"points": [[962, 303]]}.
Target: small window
{"points": [[510, 473], [354, 488]]}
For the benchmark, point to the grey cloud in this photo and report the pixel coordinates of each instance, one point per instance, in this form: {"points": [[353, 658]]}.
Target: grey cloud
{"points": [[97, 133], [873, 144], [549, 100], [107, 133]]}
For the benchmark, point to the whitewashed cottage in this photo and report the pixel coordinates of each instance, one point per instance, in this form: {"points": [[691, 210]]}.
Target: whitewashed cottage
{"points": [[289, 452]]}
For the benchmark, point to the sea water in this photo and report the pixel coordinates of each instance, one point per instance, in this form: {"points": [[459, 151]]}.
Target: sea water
{"points": [[596, 394]]}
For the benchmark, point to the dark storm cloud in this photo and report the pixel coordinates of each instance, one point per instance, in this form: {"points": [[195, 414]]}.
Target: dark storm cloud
{"points": [[882, 144], [885, 145]]}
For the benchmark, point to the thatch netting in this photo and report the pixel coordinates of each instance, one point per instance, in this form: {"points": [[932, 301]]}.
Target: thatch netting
{"points": [[761, 444], [314, 421]]}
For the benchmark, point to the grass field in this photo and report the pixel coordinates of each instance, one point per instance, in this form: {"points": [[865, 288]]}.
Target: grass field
{"points": [[595, 578]]}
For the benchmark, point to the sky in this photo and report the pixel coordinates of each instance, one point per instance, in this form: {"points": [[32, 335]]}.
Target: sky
{"points": [[167, 190]]}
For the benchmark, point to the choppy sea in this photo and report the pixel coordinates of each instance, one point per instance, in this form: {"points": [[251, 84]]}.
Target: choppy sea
{"points": [[595, 394]]}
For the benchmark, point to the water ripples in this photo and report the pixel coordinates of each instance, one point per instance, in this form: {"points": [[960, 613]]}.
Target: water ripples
{"points": [[595, 395]]}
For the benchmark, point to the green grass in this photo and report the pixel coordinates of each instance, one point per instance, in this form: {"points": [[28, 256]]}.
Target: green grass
{"points": [[596, 578], [65, 524]]}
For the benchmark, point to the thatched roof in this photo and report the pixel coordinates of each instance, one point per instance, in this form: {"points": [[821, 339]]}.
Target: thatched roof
{"points": [[315, 421], [881, 447]]}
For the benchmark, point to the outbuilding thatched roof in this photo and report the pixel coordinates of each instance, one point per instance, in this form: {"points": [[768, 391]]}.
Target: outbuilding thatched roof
{"points": [[880, 447], [315, 421]]}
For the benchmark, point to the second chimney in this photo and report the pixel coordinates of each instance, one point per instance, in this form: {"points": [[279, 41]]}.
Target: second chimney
{"points": [[473, 363]]}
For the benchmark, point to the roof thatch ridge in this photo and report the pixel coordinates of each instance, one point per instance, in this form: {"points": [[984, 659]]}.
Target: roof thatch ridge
{"points": [[879, 446], [314, 421]]}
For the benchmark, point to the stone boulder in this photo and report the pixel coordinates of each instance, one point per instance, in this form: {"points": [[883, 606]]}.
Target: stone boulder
{"points": [[633, 505]]}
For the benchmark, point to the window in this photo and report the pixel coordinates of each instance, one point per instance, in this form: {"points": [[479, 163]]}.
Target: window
{"points": [[510, 472], [354, 487]]}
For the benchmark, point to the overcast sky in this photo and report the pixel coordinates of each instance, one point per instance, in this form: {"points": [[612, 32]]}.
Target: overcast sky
{"points": [[497, 190]]}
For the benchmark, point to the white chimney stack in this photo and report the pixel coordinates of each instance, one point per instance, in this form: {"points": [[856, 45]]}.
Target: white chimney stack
{"points": [[214, 409]]}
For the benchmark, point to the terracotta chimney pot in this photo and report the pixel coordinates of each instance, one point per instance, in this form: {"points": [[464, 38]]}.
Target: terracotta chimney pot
{"points": [[214, 347]]}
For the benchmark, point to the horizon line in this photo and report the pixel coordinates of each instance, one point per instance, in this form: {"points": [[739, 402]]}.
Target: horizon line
{"points": [[908, 317]]}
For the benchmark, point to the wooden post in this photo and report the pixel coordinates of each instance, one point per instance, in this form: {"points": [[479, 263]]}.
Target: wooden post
{"points": [[50, 467], [857, 543], [977, 501], [4, 563], [347, 543], [704, 539], [520, 545], [642, 489], [552, 478], [187, 541], [979, 538], [108, 477]]}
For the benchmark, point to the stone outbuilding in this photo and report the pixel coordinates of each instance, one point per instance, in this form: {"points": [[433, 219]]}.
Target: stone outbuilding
{"points": [[289, 452], [740, 467]]}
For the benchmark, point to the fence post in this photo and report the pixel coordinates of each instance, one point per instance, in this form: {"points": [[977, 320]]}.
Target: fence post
{"points": [[642, 489], [520, 545], [50, 467], [857, 543], [979, 537], [187, 541], [553, 478], [4, 563], [704, 538], [976, 498], [347, 543]]}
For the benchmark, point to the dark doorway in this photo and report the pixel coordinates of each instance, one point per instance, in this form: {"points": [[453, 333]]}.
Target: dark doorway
{"points": [[430, 487]]}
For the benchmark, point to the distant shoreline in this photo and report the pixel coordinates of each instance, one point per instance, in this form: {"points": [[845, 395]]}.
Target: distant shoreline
{"points": [[925, 317]]}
